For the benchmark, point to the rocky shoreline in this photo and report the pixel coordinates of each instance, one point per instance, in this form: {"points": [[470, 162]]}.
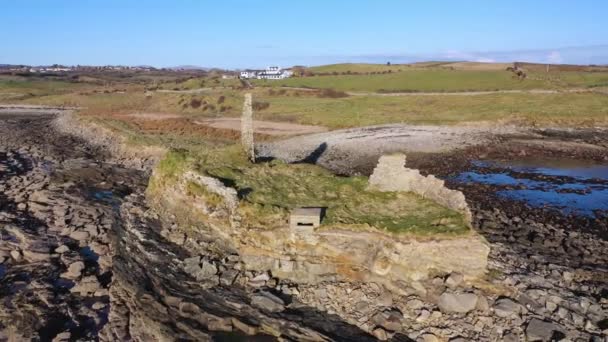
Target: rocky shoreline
{"points": [[84, 257]]}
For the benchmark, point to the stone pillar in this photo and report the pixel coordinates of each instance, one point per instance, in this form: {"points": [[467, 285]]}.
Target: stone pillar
{"points": [[247, 129]]}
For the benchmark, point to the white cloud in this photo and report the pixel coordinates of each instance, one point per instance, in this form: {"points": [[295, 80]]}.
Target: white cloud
{"points": [[485, 60], [554, 57], [456, 54]]}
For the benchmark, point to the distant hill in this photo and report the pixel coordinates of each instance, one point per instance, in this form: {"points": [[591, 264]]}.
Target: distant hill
{"points": [[189, 67], [560, 67]]}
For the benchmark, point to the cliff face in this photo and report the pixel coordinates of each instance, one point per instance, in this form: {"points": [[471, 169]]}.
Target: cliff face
{"points": [[325, 254], [198, 290]]}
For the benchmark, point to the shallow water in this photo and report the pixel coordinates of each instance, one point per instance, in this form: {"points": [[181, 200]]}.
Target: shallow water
{"points": [[570, 186]]}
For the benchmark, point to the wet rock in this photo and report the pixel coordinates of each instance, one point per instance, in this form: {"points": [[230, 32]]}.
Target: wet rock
{"points": [[74, 270], [268, 302], [86, 286], [33, 256], [98, 305], [79, 235], [457, 302], [62, 249], [62, 337]]}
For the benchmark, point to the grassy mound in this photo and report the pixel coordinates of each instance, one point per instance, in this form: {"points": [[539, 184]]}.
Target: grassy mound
{"points": [[268, 192]]}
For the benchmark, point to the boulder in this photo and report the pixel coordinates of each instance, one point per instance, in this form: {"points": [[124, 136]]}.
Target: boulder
{"points": [[454, 280], [74, 270], [389, 320], [227, 277], [79, 235], [427, 338], [457, 302], [86, 286], [380, 334], [538, 330], [506, 307], [199, 268], [62, 249], [267, 302], [16, 255]]}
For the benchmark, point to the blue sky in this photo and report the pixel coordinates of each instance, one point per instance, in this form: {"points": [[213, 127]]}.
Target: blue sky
{"points": [[241, 33]]}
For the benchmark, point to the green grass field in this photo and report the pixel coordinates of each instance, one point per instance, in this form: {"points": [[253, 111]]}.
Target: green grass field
{"points": [[443, 80], [353, 111], [357, 68]]}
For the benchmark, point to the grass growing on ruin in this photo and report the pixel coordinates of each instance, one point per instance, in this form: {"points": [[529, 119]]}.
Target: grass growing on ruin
{"points": [[268, 192]]}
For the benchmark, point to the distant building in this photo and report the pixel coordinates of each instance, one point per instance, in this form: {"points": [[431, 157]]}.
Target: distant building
{"points": [[270, 73]]}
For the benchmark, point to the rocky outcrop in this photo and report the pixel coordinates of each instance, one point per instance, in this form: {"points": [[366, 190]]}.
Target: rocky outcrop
{"points": [[176, 280], [326, 254], [162, 291], [391, 175], [115, 145]]}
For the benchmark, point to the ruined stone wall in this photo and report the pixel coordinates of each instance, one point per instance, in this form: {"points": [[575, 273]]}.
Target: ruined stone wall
{"points": [[391, 175]]}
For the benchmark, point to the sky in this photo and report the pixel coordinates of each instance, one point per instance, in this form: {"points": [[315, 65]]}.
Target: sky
{"points": [[255, 33]]}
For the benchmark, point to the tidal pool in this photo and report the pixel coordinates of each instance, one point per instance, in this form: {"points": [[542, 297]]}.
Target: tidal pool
{"points": [[570, 186]]}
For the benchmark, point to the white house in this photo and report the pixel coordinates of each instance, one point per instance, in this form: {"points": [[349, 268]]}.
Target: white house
{"points": [[248, 74], [271, 73]]}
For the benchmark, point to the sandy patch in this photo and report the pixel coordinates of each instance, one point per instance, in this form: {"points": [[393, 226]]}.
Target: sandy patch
{"points": [[263, 127]]}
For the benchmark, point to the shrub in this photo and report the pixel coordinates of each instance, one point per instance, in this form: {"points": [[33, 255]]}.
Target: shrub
{"points": [[195, 103], [332, 93], [221, 99], [259, 105]]}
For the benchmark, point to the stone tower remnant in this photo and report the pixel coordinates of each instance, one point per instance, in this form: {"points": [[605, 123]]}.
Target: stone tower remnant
{"points": [[247, 129], [391, 175]]}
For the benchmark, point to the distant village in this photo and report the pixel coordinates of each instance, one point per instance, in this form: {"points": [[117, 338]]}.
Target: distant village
{"points": [[270, 73], [55, 68]]}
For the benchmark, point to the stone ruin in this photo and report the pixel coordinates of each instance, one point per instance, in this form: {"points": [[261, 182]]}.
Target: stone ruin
{"points": [[391, 175], [247, 129]]}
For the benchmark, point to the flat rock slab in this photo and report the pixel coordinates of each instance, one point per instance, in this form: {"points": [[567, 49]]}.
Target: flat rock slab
{"points": [[263, 127]]}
